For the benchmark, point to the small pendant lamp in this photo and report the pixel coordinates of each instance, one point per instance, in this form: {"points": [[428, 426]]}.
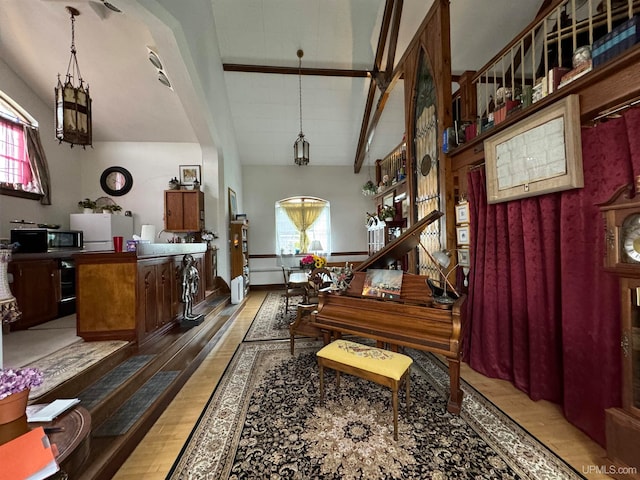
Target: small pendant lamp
{"points": [[73, 103], [300, 146]]}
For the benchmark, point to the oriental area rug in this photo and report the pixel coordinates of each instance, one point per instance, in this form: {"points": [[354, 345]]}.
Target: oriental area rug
{"points": [[271, 321], [265, 420]]}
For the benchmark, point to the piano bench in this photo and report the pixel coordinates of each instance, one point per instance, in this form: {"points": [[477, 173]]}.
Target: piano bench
{"points": [[383, 367]]}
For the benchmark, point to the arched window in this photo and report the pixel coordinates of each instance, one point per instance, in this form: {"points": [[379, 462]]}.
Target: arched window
{"points": [[303, 225], [23, 165]]}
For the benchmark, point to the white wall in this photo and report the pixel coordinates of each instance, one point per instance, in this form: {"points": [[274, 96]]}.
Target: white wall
{"points": [[263, 186], [152, 165], [64, 162]]}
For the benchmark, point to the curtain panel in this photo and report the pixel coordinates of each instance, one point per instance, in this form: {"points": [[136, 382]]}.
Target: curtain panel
{"points": [[39, 165], [543, 312]]}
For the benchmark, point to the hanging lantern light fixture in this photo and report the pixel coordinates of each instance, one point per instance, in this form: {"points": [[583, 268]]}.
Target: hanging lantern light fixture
{"points": [[73, 103], [300, 146]]}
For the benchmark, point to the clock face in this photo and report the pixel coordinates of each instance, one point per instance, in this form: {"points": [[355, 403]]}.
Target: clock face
{"points": [[630, 237], [116, 181]]}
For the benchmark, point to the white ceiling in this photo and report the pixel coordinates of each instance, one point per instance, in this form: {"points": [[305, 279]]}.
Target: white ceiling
{"points": [[130, 105]]}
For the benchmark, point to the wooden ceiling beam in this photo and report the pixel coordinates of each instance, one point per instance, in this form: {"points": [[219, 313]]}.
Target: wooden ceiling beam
{"points": [[320, 72], [392, 11]]}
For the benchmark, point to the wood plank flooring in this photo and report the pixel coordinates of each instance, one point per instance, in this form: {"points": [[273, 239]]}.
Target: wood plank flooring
{"points": [[154, 456]]}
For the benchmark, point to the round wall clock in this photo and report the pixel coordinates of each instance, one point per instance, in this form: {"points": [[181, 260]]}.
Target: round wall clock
{"points": [[116, 181]]}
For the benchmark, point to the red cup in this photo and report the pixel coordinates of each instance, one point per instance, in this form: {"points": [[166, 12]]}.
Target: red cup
{"points": [[117, 244]]}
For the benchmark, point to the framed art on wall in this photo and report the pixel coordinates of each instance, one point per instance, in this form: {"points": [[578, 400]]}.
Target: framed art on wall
{"points": [[189, 174], [464, 257], [233, 205], [462, 235], [462, 213], [540, 154]]}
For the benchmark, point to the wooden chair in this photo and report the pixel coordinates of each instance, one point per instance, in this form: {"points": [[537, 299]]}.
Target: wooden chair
{"points": [[319, 278], [290, 290]]}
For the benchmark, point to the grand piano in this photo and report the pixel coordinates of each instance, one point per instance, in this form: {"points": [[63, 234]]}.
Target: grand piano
{"points": [[413, 320]]}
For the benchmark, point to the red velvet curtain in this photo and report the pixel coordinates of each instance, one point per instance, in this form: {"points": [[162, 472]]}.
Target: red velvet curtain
{"points": [[543, 312]]}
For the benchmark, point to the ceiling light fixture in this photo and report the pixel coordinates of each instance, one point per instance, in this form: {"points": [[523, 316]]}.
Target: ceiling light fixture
{"points": [[300, 146], [73, 103], [154, 58], [111, 7]]}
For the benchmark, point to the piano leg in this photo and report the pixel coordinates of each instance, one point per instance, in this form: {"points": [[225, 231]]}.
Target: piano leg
{"points": [[455, 396]]}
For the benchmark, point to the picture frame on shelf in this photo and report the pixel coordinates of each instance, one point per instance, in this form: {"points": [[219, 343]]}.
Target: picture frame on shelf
{"points": [[464, 257], [462, 235], [189, 174], [462, 213], [233, 205]]}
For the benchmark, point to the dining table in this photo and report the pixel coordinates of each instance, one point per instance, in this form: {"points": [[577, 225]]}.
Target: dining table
{"points": [[300, 279]]}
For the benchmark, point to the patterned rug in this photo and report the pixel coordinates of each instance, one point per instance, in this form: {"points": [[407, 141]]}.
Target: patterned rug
{"points": [[265, 420], [69, 361], [271, 322]]}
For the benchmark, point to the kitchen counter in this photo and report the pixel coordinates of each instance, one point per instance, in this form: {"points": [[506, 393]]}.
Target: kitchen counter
{"points": [[145, 250]]}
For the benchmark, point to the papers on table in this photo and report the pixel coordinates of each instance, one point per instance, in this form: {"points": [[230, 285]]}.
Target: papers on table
{"points": [[29, 456], [49, 412]]}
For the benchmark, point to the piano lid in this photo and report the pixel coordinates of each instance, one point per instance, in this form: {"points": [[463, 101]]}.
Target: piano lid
{"points": [[399, 247]]}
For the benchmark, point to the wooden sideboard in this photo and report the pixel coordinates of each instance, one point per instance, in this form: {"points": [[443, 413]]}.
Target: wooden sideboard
{"points": [[124, 296]]}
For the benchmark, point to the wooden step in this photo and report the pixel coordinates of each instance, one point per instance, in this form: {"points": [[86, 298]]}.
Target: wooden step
{"points": [[174, 358]]}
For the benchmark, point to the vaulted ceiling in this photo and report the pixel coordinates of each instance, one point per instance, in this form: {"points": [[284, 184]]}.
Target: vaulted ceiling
{"points": [[257, 42]]}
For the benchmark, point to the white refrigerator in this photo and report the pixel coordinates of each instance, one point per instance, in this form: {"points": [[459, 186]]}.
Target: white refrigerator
{"points": [[100, 228]]}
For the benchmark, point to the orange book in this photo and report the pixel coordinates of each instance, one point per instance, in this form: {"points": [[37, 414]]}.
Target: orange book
{"points": [[30, 456]]}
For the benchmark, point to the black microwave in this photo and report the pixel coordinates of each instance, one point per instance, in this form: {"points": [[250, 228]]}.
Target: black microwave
{"points": [[38, 240]]}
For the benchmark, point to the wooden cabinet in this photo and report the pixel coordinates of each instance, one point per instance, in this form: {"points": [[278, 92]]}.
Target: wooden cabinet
{"points": [[240, 252], [123, 297], [36, 288], [154, 288], [183, 210]]}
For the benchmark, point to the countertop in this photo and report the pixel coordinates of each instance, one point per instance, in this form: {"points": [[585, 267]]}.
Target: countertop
{"points": [[145, 250]]}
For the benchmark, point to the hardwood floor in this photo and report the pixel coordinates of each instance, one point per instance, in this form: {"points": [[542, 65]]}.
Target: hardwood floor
{"points": [[154, 456]]}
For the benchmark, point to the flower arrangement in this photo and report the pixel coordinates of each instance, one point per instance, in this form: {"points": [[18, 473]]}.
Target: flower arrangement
{"points": [[208, 235], [17, 380], [388, 211], [87, 203], [313, 261]]}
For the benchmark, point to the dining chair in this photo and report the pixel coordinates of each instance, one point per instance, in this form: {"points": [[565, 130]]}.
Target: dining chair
{"points": [[318, 279], [290, 290]]}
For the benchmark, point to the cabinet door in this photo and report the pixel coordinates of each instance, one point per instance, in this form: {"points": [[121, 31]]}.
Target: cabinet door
{"points": [[191, 208], [148, 315], [173, 210], [199, 264], [35, 286], [164, 293]]}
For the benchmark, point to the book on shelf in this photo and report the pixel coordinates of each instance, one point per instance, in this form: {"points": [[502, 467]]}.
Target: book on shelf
{"points": [[576, 73]]}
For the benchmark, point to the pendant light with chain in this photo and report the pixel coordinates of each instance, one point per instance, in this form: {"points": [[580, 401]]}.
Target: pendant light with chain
{"points": [[300, 146]]}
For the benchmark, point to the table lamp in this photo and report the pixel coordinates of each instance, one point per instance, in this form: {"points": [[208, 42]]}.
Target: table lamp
{"points": [[315, 246]]}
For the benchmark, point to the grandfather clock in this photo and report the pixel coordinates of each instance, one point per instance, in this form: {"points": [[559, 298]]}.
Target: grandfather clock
{"points": [[622, 242]]}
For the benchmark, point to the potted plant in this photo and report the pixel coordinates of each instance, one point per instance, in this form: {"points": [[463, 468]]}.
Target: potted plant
{"points": [[388, 212], [87, 205], [369, 189], [15, 385], [111, 208]]}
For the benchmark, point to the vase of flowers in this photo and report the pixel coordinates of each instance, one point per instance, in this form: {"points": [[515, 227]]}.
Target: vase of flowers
{"points": [[388, 212], [310, 262], [15, 385]]}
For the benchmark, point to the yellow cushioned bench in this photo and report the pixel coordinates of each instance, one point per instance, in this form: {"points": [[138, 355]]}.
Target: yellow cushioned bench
{"points": [[386, 368]]}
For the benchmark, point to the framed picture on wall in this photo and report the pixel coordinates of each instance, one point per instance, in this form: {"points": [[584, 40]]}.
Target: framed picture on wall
{"points": [[189, 174], [462, 213], [462, 235], [464, 257], [233, 205]]}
